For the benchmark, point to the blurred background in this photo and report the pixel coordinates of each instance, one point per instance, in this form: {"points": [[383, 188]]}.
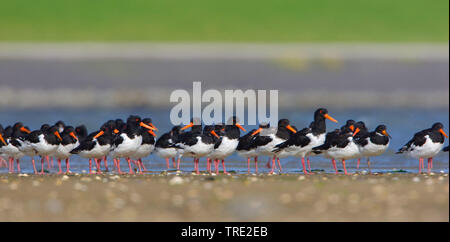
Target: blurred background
{"points": [[88, 61]]}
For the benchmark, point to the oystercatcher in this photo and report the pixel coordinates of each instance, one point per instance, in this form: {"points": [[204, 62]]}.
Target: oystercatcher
{"points": [[425, 145], [227, 143], [247, 148], [270, 137], [127, 142], [339, 145], [147, 145], [196, 144], [12, 149], [371, 144], [44, 141], [300, 144], [164, 146], [68, 143], [95, 146]]}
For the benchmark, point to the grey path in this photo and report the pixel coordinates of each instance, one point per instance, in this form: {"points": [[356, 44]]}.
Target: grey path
{"points": [[339, 74]]}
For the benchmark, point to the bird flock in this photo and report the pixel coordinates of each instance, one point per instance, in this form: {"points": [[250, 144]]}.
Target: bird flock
{"points": [[135, 139]]}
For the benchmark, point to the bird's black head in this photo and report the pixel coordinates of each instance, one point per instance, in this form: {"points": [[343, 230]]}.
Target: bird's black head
{"points": [[81, 131], [68, 129], [283, 122], [45, 127], [264, 125], [361, 125], [437, 126]]}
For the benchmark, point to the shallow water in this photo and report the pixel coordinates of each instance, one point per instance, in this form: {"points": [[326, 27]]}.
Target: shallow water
{"points": [[401, 124]]}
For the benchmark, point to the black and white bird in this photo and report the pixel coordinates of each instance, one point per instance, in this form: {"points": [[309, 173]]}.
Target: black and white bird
{"points": [[197, 143], [339, 145], [271, 137], [13, 147], [164, 146], [95, 147], [425, 145], [247, 147], [227, 143], [68, 143], [147, 146], [300, 144], [373, 143], [45, 142], [127, 142]]}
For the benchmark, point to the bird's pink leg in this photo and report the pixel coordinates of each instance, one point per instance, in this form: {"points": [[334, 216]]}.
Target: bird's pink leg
{"points": [[333, 161], [357, 165], [345, 169], [90, 165], [304, 167], [139, 166], [256, 164], [11, 165], [196, 165], [42, 165], [224, 169], [216, 165], [279, 164], [59, 166], [167, 163], [273, 165], [173, 162], [248, 165], [98, 163], [178, 164], [208, 165], [309, 166], [142, 164], [268, 163], [368, 165], [118, 166], [48, 162], [420, 165], [34, 165], [430, 162], [18, 165], [67, 166], [129, 166], [105, 160]]}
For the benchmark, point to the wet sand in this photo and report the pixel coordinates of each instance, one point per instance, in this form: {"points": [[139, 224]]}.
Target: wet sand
{"points": [[187, 197]]}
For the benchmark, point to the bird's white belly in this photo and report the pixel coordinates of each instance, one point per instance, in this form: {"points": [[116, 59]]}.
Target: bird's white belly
{"points": [[128, 147], [143, 151], [427, 150], [198, 150], [269, 147], [166, 152], [43, 148], [372, 149], [349, 152], [12, 151], [226, 148], [63, 151]]}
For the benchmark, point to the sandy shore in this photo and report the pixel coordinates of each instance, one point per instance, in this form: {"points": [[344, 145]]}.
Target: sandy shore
{"points": [[186, 197]]}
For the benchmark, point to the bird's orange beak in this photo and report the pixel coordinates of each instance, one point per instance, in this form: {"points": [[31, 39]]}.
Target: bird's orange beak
{"points": [[215, 134], [187, 126], [240, 126], [99, 134], [356, 131], [330, 118], [2, 139], [291, 129], [153, 126], [25, 130], [152, 133], [443, 133], [142, 124], [58, 135], [116, 131], [257, 131], [352, 127], [73, 135], [385, 133]]}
